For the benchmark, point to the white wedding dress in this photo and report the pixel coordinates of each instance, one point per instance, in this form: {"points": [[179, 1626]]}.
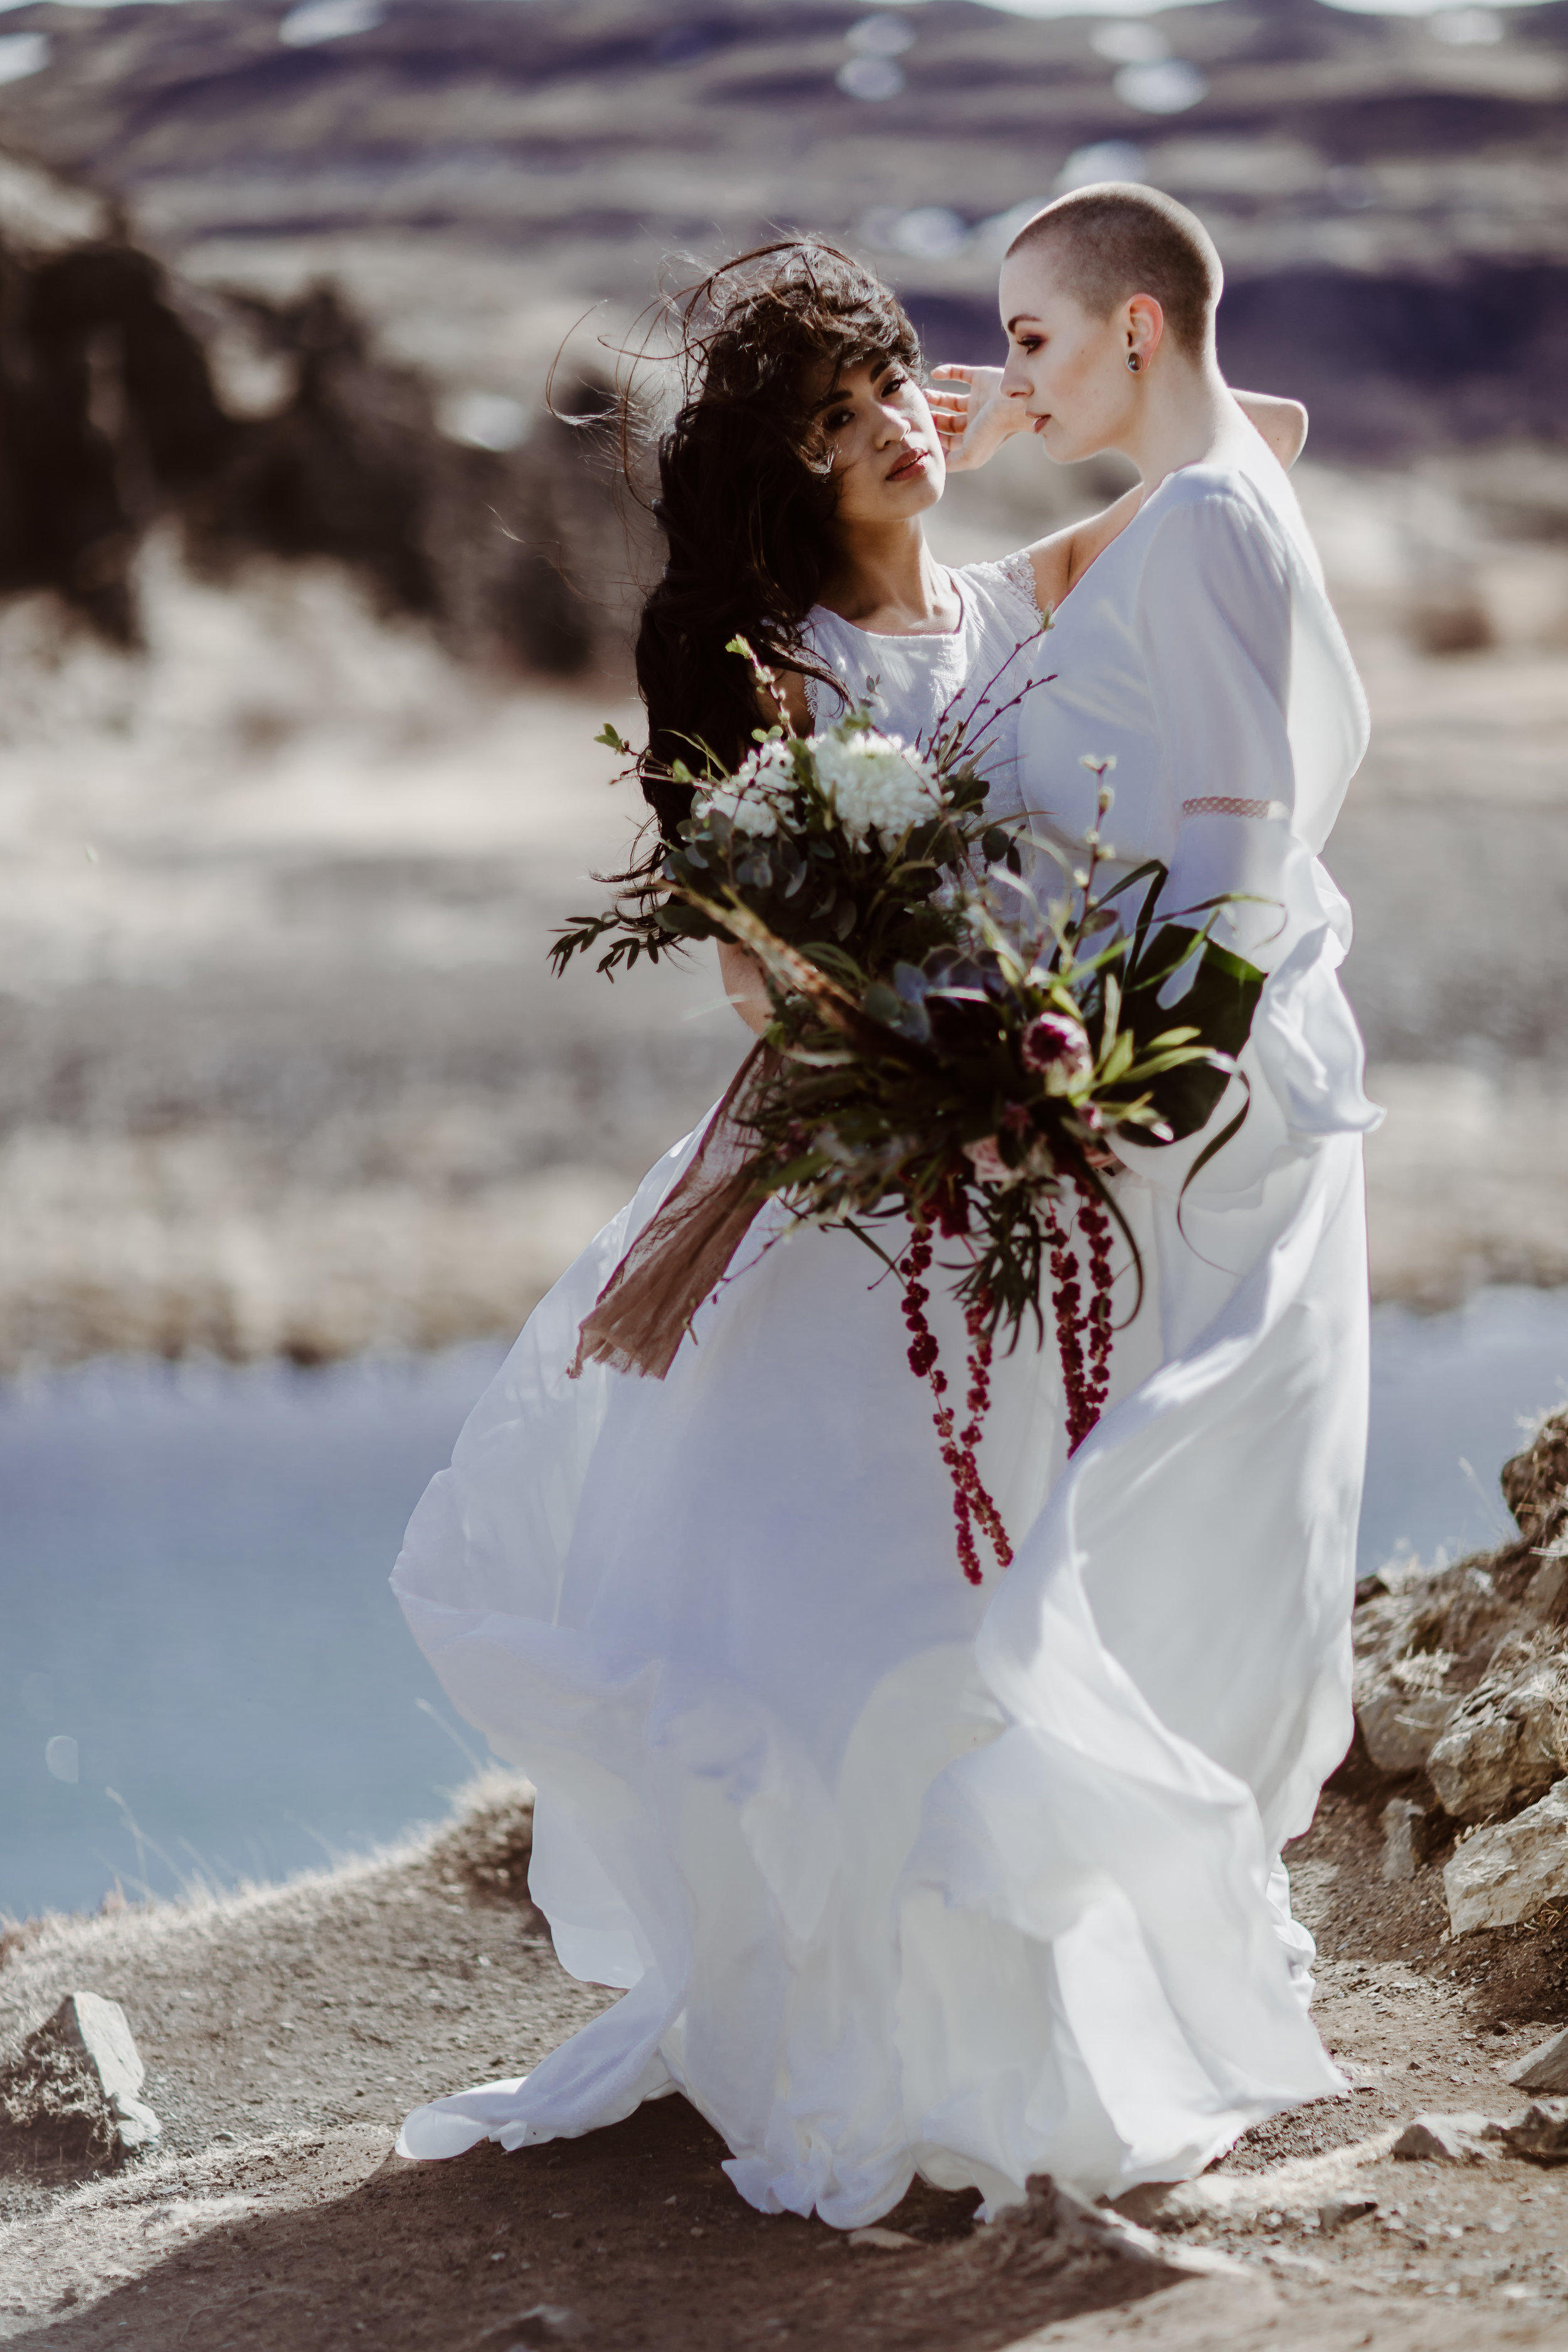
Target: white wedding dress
{"points": [[899, 1874]]}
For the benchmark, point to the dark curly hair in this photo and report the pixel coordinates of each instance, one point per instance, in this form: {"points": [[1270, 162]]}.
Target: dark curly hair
{"points": [[746, 492]]}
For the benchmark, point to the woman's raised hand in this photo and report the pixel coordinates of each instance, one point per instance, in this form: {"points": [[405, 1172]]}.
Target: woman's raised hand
{"points": [[973, 415]]}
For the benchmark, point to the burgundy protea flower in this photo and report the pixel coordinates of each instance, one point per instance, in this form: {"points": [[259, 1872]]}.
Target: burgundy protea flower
{"points": [[1058, 1048]]}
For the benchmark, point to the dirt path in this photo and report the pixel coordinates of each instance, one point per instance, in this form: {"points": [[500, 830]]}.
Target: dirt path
{"points": [[286, 2030]]}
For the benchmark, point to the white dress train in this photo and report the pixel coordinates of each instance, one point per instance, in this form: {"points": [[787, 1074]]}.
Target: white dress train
{"points": [[899, 1874]]}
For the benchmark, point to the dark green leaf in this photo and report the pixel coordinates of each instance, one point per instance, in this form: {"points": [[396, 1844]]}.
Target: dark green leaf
{"points": [[1219, 1003]]}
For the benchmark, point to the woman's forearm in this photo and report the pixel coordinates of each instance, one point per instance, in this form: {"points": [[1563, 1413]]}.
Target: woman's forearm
{"points": [[745, 985]]}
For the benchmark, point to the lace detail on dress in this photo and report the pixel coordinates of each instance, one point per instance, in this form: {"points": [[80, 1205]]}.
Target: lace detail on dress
{"points": [[1018, 571], [1227, 804]]}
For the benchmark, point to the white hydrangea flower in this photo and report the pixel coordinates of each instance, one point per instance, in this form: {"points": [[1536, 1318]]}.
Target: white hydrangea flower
{"points": [[875, 783], [751, 797]]}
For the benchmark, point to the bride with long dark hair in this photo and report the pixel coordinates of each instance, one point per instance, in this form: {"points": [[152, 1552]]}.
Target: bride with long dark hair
{"points": [[716, 1617]]}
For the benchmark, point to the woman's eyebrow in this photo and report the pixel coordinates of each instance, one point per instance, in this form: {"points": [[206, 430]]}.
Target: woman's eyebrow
{"points": [[1017, 318], [837, 393]]}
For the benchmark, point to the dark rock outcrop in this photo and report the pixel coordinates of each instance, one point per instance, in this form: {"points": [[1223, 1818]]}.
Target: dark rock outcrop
{"points": [[113, 420], [1463, 1671]]}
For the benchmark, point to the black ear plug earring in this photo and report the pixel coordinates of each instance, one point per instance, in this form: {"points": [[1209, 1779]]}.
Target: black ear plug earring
{"points": [[1133, 361]]}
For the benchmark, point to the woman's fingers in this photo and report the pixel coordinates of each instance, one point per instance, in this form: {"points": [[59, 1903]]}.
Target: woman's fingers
{"points": [[971, 413]]}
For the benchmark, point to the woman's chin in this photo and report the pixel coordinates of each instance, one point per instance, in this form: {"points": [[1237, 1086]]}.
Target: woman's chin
{"points": [[923, 490], [1062, 445]]}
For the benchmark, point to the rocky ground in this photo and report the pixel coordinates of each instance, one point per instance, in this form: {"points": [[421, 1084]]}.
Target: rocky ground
{"points": [[285, 2030]]}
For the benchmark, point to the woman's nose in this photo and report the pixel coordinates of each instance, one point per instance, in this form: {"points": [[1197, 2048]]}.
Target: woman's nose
{"points": [[892, 425], [1015, 382]]}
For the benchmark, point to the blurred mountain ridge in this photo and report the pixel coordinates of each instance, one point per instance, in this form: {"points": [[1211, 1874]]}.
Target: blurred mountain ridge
{"points": [[1391, 199]]}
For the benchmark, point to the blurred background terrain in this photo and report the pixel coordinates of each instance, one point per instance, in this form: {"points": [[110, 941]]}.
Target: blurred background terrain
{"points": [[311, 604], [310, 609]]}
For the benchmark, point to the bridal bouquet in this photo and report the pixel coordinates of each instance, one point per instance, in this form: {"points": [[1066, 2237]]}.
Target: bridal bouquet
{"points": [[946, 1056], [970, 1095], [843, 838]]}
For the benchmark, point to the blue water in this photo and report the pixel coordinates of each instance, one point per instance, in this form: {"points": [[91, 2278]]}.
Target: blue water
{"points": [[193, 1589], [195, 1615]]}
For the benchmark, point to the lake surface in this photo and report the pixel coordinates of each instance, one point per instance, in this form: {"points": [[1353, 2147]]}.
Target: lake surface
{"points": [[195, 1612]]}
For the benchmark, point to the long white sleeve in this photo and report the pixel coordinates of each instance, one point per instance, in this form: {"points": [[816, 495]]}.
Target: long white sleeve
{"points": [[1216, 624]]}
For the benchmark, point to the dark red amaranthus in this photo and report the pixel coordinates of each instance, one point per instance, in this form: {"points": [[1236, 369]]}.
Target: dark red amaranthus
{"points": [[971, 1501], [1083, 1341], [1083, 1337]]}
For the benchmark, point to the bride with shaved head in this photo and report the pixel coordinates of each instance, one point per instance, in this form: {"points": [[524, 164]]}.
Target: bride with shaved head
{"points": [[898, 1875]]}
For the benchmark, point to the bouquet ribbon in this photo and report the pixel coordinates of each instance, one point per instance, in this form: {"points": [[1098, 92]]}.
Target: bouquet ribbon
{"points": [[645, 1310]]}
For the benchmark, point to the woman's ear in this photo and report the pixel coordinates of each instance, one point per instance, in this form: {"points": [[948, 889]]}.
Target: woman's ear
{"points": [[1145, 331]]}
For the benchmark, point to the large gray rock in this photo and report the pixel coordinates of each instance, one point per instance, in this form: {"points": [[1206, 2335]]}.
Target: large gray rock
{"points": [[1462, 1672], [1448, 2140], [1544, 2068], [1497, 1877], [1422, 1636], [1508, 1740], [72, 2093], [1541, 2133], [97, 2027], [1399, 1726]]}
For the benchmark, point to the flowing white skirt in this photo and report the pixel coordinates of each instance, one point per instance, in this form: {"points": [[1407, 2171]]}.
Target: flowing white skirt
{"points": [[899, 1874]]}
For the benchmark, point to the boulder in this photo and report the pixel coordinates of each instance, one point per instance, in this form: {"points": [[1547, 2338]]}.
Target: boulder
{"points": [[1497, 1877], [1544, 2068], [1462, 1672], [1423, 1637], [1535, 1483], [71, 2093], [1506, 1741], [96, 2028], [1400, 1727], [1448, 2140], [1541, 2133]]}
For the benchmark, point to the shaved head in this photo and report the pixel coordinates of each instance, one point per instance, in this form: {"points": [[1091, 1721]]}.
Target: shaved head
{"points": [[1115, 240]]}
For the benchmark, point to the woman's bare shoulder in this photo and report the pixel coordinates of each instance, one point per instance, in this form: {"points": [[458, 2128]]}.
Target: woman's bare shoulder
{"points": [[1061, 560]]}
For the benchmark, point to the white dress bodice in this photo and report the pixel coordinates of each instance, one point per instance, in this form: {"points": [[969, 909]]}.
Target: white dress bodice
{"points": [[919, 684]]}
